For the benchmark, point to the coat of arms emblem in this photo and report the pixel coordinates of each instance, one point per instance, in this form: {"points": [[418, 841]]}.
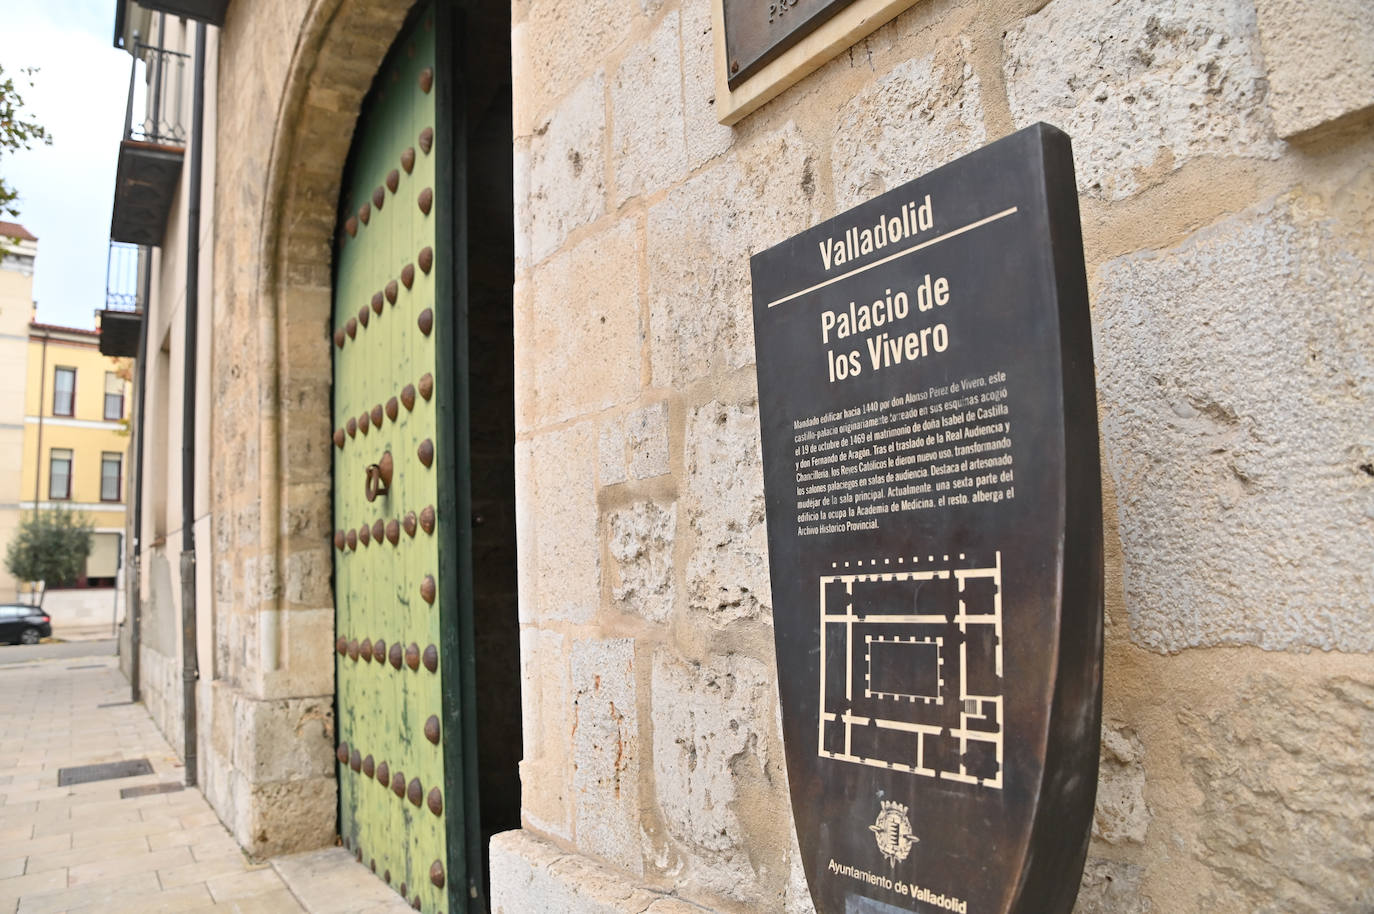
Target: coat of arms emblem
{"points": [[892, 830]]}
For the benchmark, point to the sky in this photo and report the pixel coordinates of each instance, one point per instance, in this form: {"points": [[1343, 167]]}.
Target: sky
{"points": [[66, 190]]}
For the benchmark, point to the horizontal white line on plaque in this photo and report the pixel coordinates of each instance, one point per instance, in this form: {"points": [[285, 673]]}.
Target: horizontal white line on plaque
{"points": [[891, 257]]}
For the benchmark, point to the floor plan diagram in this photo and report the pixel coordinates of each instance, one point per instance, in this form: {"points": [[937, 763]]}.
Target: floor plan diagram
{"points": [[911, 666]]}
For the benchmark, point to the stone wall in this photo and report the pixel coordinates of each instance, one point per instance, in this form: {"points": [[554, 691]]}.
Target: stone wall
{"points": [[162, 431], [1223, 152], [293, 74], [84, 608]]}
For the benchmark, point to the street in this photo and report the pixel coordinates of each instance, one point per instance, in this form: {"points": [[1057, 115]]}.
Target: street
{"points": [[55, 650]]}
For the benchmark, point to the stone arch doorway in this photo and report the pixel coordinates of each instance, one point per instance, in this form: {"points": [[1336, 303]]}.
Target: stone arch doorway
{"points": [[336, 58]]}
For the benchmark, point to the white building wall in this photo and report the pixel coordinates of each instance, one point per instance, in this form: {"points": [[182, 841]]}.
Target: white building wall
{"points": [[16, 310]]}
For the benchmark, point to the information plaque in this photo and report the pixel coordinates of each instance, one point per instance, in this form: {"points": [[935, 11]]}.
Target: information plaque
{"points": [[930, 454], [757, 32]]}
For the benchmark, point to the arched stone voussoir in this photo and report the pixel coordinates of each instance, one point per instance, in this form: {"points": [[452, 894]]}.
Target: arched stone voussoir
{"points": [[342, 44]]}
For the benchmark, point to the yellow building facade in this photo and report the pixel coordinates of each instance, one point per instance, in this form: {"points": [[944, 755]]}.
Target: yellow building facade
{"points": [[76, 404]]}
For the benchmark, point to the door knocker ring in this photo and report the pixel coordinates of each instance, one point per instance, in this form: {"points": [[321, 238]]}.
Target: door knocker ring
{"points": [[378, 478]]}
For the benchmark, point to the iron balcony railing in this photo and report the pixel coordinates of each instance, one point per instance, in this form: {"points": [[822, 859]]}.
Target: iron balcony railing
{"points": [[123, 277], [167, 95]]}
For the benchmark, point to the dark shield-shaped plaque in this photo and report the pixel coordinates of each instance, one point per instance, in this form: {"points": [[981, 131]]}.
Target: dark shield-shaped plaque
{"points": [[927, 405]]}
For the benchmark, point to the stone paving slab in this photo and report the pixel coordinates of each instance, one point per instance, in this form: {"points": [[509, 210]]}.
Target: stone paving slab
{"points": [[316, 879], [84, 849]]}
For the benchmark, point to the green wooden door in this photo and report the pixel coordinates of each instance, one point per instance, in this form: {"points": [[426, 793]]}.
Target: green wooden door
{"points": [[396, 490]]}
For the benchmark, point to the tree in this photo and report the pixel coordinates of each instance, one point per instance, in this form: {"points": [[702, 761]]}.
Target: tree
{"points": [[16, 132], [50, 547]]}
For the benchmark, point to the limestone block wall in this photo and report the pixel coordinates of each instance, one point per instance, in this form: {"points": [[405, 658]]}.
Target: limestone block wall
{"points": [[163, 432], [292, 77], [1223, 151]]}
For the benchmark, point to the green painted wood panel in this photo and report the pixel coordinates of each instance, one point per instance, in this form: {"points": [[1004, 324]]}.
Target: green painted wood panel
{"points": [[389, 589]]}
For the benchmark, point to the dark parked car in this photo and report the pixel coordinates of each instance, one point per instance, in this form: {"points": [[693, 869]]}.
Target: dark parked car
{"points": [[23, 624]]}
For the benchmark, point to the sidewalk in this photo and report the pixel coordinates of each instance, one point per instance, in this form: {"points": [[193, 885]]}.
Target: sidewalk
{"points": [[101, 632], [132, 844]]}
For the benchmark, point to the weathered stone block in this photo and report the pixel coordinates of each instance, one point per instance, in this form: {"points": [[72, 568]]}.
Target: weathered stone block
{"points": [[306, 660], [707, 722], [525, 96], [648, 147], [546, 730], [546, 796], [567, 164], [283, 740], [699, 241], [1121, 816], [641, 542], [309, 577], [286, 816], [221, 718], [1320, 57], [584, 341], [270, 583], [727, 568], [247, 524], [634, 446], [223, 529], [1148, 86], [1233, 374], [529, 874], [567, 559], [224, 580], [562, 42], [309, 513], [610, 449], [1286, 820], [526, 551], [917, 117], [161, 679], [706, 137], [606, 751], [238, 646], [646, 431], [520, 191], [1111, 887]]}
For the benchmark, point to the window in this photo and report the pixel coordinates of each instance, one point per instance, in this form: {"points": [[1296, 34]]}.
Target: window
{"points": [[102, 564], [114, 396], [111, 476], [60, 475], [63, 391]]}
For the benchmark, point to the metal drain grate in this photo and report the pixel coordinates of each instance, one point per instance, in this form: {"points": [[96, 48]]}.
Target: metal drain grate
{"points": [[149, 789], [106, 771]]}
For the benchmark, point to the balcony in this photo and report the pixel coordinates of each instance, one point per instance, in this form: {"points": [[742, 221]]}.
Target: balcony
{"points": [[208, 11], [152, 150], [121, 320]]}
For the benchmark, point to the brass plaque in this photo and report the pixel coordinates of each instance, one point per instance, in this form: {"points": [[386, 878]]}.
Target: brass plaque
{"points": [[757, 31]]}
